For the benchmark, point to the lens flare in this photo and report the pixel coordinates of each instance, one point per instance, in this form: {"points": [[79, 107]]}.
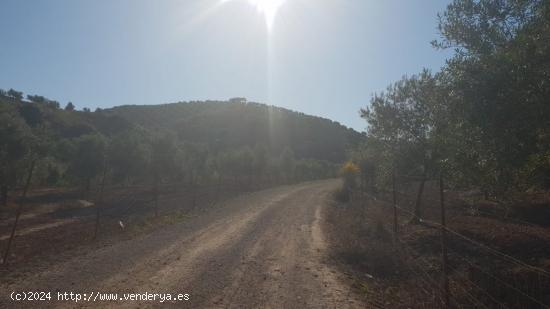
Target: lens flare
{"points": [[268, 8]]}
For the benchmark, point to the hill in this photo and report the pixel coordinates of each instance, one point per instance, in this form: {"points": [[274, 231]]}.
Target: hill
{"points": [[237, 123]]}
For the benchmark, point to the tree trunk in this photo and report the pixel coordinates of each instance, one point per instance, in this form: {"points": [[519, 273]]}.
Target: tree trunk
{"points": [[418, 203], [98, 202], [156, 194], [87, 185], [193, 190], [218, 189], [4, 195]]}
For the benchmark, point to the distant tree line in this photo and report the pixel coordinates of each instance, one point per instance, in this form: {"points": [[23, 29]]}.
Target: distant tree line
{"points": [[18, 96], [484, 119], [72, 148]]}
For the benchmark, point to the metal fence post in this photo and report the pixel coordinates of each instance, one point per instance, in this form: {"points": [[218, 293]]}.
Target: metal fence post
{"points": [[99, 201], [19, 211], [394, 210], [444, 258]]}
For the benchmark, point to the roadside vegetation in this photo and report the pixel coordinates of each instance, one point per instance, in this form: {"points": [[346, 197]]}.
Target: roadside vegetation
{"points": [[471, 139], [483, 119]]}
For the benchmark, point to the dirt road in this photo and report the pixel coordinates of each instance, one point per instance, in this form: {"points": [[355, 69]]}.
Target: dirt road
{"points": [[261, 250]]}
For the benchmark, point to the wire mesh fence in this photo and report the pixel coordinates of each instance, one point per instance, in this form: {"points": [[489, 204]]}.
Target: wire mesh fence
{"points": [[452, 265], [105, 212]]}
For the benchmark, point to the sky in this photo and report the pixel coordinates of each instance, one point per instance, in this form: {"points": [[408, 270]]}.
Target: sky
{"points": [[320, 57]]}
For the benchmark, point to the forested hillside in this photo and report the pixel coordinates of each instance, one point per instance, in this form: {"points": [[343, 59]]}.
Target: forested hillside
{"points": [[238, 123], [194, 142]]}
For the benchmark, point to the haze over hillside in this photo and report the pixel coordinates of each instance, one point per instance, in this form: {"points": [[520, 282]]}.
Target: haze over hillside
{"points": [[217, 124], [238, 123]]}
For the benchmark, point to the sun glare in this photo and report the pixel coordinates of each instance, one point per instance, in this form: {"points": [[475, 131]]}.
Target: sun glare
{"points": [[268, 8]]}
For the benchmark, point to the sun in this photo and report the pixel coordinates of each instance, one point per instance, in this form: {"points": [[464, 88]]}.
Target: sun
{"points": [[268, 8]]}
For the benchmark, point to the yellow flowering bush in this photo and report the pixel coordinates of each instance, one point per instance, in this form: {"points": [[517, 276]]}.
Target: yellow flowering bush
{"points": [[349, 173]]}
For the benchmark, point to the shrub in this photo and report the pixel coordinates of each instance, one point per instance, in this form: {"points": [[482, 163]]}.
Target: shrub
{"points": [[349, 173]]}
